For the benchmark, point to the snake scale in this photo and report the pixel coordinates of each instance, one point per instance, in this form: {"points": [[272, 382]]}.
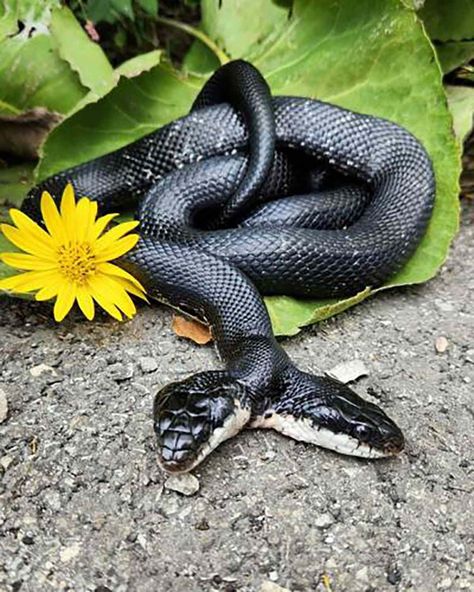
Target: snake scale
{"points": [[251, 194]]}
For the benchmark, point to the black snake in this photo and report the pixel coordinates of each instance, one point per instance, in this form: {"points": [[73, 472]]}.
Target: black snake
{"points": [[286, 195]]}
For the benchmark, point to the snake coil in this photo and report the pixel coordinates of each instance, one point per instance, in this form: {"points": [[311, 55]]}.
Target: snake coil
{"points": [[280, 195]]}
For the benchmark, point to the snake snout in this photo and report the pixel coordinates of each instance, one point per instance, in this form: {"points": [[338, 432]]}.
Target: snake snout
{"points": [[375, 430], [394, 441], [192, 417]]}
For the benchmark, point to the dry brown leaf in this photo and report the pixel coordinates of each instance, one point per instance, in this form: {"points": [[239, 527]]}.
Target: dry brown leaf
{"points": [[191, 329], [23, 134]]}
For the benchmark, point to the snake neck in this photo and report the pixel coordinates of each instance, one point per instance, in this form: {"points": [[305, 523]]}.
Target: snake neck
{"points": [[258, 362], [221, 295]]}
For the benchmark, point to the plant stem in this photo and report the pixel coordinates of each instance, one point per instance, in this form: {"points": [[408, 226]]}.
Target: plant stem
{"points": [[221, 56]]}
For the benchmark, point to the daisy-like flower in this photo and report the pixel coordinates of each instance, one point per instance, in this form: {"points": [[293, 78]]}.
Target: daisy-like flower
{"points": [[70, 260]]}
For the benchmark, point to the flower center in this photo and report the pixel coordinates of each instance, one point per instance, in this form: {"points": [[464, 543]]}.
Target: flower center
{"points": [[77, 261]]}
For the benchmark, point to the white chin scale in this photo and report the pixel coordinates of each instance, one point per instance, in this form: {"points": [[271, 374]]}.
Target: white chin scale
{"points": [[304, 431]]}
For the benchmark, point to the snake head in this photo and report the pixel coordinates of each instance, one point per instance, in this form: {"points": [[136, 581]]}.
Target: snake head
{"points": [[193, 416], [358, 427], [335, 417]]}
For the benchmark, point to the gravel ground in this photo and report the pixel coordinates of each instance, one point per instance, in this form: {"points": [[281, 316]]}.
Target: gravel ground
{"points": [[83, 504]]}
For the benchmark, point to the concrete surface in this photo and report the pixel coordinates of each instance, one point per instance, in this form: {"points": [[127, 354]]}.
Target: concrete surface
{"points": [[83, 506]]}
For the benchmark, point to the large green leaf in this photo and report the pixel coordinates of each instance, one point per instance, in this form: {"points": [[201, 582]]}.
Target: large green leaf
{"points": [[47, 60], [83, 55], [371, 56], [368, 55]]}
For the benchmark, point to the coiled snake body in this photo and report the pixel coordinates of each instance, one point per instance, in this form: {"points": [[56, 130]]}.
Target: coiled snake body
{"points": [[285, 195]]}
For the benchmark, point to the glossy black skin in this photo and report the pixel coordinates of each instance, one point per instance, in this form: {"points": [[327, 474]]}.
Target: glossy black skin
{"points": [[188, 412], [245, 89], [366, 191]]}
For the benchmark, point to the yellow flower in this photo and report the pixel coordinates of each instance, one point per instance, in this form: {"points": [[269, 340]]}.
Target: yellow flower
{"points": [[70, 260]]}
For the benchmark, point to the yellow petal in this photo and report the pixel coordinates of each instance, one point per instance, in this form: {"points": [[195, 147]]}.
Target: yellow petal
{"points": [[115, 270], [28, 227], [50, 291], [29, 281], [92, 216], [86, 303], [52, 219], [83, 218], [119, 248], [112, 236], [100, 225], [132, 289], [93, 210], [102, 299], [64, 301], [68, 211], [23, 261], [117, 295], [27, 243]]}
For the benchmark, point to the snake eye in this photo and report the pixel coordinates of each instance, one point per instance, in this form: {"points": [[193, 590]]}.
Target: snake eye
{"points": [[362, 433]]}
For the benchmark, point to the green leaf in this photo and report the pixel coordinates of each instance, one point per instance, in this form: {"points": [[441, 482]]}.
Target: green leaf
{"points": [[239, 25], [149, 6], [8, 110], [289, 314], [6, 247], [110, 11], [83, 55], [453, 54], [33, 15], [451, 26], [51, 62], [139, 64], [461, 105], [15, 182], [200, 59], [371, 56], [33, 74], [448, 20]]}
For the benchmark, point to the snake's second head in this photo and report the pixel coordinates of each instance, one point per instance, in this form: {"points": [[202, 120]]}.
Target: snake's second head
{"points": [[193, 416], [333, 416]]}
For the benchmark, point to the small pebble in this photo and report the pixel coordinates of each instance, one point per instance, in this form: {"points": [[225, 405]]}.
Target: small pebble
{"points": [[41, 369], [148, 364], [443, 306], [121, 372], [441, 344], [6, 461], [185, 484], [324, 521], [348, 371]]}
